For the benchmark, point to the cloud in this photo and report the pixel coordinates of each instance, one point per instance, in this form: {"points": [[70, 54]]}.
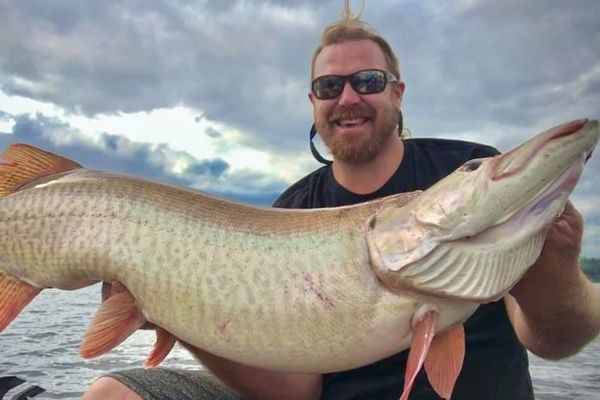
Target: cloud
{"points": [[213, 133], [508, 64], [246, 63], [223, 59], [116, 153]]}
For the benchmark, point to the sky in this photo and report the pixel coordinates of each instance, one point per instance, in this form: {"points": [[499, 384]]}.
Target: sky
{"points": [[213, 94]]}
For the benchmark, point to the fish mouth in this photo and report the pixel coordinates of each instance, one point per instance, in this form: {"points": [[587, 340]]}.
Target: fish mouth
{"points": [[512, 163], [547, 205], [560, 187]]}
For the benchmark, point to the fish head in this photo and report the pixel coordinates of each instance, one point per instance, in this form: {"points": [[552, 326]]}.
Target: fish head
{"points": [[532, 181], [473, 234]]}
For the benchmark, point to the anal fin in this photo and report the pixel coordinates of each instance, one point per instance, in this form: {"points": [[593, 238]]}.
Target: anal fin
{"points": [[164, 343], [164, 340], [445, 360], [15, 294], [117, 318]]}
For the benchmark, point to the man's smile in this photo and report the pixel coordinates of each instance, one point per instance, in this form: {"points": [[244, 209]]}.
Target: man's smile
{"points": [[351, 122], [352, 125]]}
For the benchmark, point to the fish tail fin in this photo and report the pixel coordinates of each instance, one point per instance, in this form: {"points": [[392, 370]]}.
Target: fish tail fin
{"points": [[23, 163]]}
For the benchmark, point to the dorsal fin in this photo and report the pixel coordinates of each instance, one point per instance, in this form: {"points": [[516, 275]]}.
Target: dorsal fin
{"points": [[24, 163]]}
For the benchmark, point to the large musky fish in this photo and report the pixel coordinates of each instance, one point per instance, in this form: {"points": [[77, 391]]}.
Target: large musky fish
{"points": [[291, 290]]}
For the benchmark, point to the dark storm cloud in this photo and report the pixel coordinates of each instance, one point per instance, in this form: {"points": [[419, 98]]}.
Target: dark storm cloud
{"points": [[246, 63], [117, 153], [511, 65], [214, 167], [240, 63]]}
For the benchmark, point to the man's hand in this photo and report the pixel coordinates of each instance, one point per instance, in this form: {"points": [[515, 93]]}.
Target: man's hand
{"points": [[555, 309]]}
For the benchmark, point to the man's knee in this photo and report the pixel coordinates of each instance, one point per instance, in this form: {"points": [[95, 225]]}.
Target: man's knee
{"points": [[109, 388]]}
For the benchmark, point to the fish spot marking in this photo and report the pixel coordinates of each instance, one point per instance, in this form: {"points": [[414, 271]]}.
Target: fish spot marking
{"points": [[311, 287]]}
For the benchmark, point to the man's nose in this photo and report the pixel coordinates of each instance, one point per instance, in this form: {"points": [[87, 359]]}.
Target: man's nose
{"points": [[349, 96]]}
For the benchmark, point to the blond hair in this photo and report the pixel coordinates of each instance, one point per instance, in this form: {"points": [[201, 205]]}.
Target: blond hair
{"points": [[351, 27]]}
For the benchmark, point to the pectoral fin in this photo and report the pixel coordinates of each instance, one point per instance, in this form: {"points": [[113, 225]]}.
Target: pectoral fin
{"points": [[116, 319], [445, 360], [422, 336], [15, 294], [442, 355]]}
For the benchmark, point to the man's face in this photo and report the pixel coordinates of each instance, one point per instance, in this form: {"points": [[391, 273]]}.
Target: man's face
{"points": [[355, 127]]}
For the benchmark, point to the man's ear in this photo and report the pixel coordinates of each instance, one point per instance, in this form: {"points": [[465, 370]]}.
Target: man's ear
{"points": [[398, 90], [312, 98]]}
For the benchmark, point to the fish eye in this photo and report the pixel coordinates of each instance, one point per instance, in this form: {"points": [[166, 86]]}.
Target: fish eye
{"points": [[471, 165]]}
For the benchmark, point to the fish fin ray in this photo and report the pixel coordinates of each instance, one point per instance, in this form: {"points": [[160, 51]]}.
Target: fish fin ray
{"points": [[15, 294], [464, 271], [163, 346], [23, 163], [422, 336], [445, 360], [116, 319]]}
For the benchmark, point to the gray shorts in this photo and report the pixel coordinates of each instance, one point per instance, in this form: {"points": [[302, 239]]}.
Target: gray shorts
{"points": [[174, 384]]}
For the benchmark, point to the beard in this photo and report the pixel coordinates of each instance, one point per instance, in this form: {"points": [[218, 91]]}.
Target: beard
{"points": [[358, 149]]}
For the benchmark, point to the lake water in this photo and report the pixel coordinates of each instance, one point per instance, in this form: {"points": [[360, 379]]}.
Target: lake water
{"points": [[41, 347]]}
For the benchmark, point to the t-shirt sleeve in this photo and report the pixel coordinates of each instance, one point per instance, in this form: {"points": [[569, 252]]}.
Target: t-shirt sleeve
{"points": [[481, 151], [293, 197]]}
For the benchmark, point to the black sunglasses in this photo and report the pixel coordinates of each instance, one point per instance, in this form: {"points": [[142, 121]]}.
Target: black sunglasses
{"points": [[367, 81]]}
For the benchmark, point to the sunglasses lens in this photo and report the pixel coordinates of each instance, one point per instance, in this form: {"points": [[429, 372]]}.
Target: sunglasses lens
{"points": [[367, 82], [328, 87], [364, 82]]}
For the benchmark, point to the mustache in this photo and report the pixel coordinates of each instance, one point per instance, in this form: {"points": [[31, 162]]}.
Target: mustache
{"points": [[357, 111]]}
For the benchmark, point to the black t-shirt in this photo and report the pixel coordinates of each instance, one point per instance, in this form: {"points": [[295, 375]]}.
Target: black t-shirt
{"points": [[496, 365]]}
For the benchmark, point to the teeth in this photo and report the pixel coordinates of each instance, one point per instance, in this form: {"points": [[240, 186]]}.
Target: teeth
{"points": [[353, 121]]}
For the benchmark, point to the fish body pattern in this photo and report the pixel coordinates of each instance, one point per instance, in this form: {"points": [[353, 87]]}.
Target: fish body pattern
{"points": [[318, 290], [287, 290]]}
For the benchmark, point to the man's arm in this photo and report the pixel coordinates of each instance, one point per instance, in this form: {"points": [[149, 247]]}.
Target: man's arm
{"points": [[555, 308], [255, 383]]}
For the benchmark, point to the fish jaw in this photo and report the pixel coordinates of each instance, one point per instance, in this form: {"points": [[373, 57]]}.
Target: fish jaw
{"points": [[475, 233], [469, 201]]}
